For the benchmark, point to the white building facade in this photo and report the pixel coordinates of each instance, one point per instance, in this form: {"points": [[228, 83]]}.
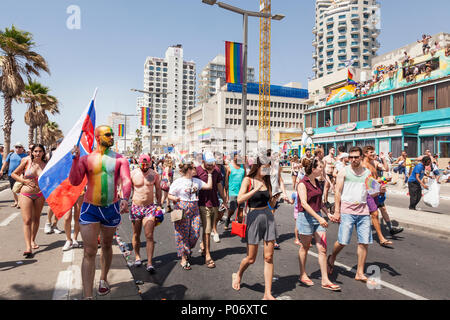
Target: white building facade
{"points": [[345, 30], [222, 115], [178, 77]]}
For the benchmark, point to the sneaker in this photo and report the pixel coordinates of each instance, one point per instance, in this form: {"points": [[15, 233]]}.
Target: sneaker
{"points": [[216, 237], [75, 244], [48, 228], [396, 230], [56, 230], [276, 246], [67, 246], [103, 288]]}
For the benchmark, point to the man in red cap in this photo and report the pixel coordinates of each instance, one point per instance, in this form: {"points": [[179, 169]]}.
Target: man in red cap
{"points": [[144, 211]]}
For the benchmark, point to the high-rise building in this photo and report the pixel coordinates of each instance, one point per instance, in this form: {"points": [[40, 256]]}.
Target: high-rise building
{"points": [[345, 33], [216, 69], [174, 75]]}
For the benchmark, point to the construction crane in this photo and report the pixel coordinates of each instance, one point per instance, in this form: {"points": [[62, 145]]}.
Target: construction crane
{"points": [[264, 75]]}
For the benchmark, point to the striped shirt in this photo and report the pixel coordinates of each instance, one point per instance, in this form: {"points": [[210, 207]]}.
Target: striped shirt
{"points": [[354, 193]]}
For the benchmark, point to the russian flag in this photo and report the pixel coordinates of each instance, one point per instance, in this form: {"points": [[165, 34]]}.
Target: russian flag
{"points": [[54, 180]]}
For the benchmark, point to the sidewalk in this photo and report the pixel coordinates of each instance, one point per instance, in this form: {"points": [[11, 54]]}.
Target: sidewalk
{"points": [[420, 220]]}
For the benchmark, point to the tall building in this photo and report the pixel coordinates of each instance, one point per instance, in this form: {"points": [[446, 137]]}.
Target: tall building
{"points": [[174, 75], [216, 69], [345, 30]]}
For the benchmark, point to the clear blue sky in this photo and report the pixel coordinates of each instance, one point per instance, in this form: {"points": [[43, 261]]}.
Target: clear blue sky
{"points": [[109, 50]]}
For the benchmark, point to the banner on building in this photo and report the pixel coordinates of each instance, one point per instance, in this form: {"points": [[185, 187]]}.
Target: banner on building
{"points": [[145, 116], [204, 134], [121, 130], [233, 62]]}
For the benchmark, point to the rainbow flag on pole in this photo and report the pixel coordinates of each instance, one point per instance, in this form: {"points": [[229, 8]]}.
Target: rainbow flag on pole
{"points": [[204, 134], [233, 62], [350, 78], [145, 116], [121, 130]]}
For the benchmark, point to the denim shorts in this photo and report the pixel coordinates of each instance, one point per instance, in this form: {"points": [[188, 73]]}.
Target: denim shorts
{"points": [[307, 225], [363, 228]]}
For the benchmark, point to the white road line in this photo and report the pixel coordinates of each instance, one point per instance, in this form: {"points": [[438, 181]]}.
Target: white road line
{"points": [[63, 284], [9, 219], [5, 191], [384, 283], [68, 256]]}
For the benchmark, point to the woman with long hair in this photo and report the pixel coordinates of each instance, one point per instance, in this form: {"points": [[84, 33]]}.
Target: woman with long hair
{"points": [[31, 199], [184, 192], [311, 223], [295, 168], [256, 190]]}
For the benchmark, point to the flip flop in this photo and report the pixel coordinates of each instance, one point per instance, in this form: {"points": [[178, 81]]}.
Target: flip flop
{"points": [[332, 287], [329, 265], [210, 264], [233, 280], [386, 243], [186, 266], [307, 283], [35, 246], [28, 254], [138, 263]]}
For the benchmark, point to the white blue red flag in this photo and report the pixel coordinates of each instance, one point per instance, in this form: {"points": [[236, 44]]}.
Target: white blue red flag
{"points": [[54, 180]]}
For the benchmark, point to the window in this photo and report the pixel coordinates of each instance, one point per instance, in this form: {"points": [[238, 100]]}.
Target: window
{"points": [[411, 101], [443, 95], [374, 108], [428, 98]]}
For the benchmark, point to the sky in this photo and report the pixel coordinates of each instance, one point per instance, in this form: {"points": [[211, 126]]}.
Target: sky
{"points": [[109, 49]]}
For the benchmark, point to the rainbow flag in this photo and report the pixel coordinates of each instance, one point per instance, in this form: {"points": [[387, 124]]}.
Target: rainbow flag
{"points": [[121, 130], [145, 118], [350, 78], [204, 134], [233, 62]]}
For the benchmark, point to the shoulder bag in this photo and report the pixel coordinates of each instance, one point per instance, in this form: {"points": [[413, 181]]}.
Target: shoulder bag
{"points": [[237, 228], [18, 185]]}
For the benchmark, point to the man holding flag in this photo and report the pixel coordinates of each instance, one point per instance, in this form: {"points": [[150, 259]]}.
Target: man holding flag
{"points": [[100, 212]]}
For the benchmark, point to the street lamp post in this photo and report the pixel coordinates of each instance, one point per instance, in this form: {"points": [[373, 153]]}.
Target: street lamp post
{"points": [[245, 15], [125, 128], [151, 93]]}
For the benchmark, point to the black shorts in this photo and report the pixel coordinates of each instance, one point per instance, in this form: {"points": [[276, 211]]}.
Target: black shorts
{"points": [[11, 182]]}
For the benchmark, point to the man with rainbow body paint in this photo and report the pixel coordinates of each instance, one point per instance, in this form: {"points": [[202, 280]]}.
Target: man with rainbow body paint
{"points": [[100, 212]]}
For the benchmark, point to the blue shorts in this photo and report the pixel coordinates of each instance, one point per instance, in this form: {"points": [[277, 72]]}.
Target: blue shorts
{"points": [[363, 228], [107, 216], [307, 225]]}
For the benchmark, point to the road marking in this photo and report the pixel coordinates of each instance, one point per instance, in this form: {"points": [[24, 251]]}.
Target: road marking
{"points": [[9, 219], [5, 191], [63, 284], [384, 283], [68, 256]]}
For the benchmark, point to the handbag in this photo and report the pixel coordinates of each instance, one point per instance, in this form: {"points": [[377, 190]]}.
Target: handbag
{"points": [[17, 186], [237, 228]]}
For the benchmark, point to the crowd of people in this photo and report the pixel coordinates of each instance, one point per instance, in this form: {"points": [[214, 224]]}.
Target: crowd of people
{"points": [[411, 71], [215, 189]]}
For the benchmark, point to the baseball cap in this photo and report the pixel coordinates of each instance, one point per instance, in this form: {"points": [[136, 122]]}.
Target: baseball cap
{"points": [[145, 157], [208, 157], [343, 155], [18, 144]]}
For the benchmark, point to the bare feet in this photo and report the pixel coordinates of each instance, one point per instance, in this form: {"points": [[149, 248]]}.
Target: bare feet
{"points": [[34, 245], [268, 297], [236, 282]]}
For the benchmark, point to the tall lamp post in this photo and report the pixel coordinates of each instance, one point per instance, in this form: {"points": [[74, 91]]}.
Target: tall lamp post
{"points": [[125, 128], [245, 15], [151, 93]]}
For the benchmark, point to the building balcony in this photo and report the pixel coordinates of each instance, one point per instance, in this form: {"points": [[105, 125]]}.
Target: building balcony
{"points": [[315, 56], [355, 31], [355, 18], [314, 30], [329, 22], [314, 43], [320, 32], [355, 44]]}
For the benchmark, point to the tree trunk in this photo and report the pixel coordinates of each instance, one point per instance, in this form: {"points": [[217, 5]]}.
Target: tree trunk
{"points": [[30, 135], [39, 135], [7, 123]]}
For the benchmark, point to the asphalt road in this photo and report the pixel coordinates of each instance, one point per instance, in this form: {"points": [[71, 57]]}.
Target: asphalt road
{"points": [[413, 268], [416, 267]]}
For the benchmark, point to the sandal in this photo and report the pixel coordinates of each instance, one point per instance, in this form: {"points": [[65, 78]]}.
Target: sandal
{"points": [[307, 283], [386, 243], [28, 254], [330, 266], [210, 264], [332, 287], [186, 266]]}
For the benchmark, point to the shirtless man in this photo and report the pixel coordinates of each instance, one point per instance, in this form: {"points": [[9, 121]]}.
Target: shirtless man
{"points": [[330, 162], [100, 209], [144, 211], [373, 165]]}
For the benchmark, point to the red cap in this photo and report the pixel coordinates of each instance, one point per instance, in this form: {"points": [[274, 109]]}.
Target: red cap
{"points": [[143, 157]]}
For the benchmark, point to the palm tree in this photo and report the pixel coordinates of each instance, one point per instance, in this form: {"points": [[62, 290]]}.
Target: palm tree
{"points": [[50, 134], [16, 60], [39, 102]]}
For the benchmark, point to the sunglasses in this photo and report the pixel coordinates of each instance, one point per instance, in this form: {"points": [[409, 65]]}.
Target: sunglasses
{"points": [[354, 158], [109, 134]]}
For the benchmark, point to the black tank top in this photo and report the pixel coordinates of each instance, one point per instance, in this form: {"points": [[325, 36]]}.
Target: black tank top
{"points": [[259, 199]]}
